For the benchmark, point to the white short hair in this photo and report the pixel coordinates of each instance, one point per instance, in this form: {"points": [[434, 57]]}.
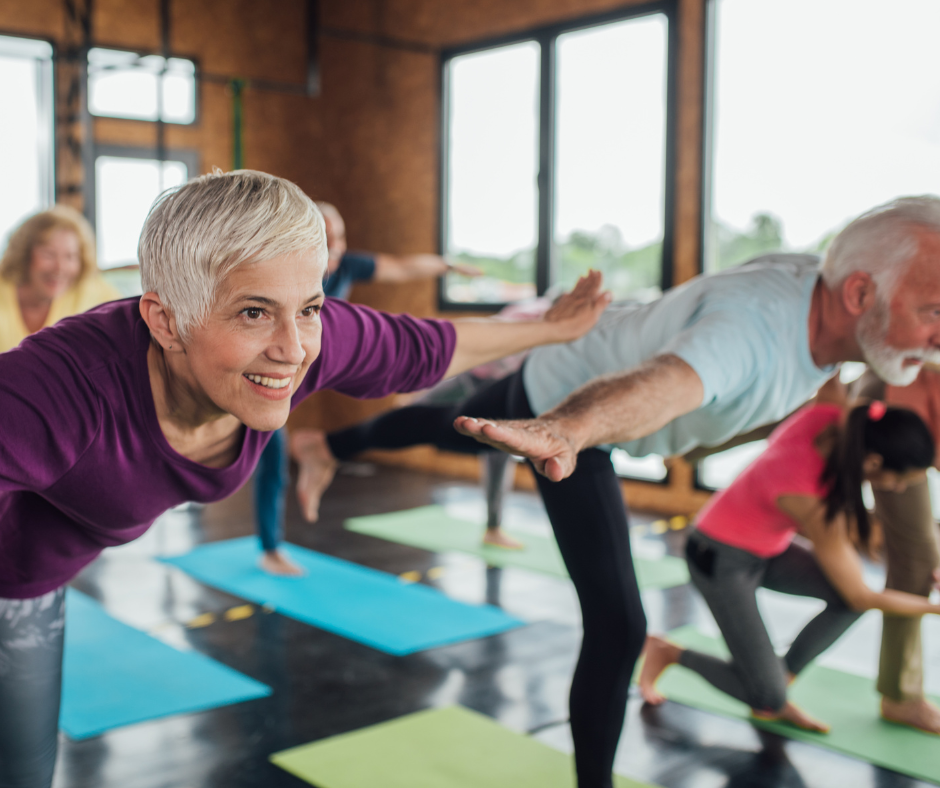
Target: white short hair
{"points": [[881, 242], [196, 234]]}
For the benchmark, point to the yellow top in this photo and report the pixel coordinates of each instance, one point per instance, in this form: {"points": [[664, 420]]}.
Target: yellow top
{"points": [[89, 292]]}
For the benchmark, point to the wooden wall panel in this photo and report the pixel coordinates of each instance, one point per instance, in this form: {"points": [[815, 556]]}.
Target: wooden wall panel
{"points": [[134, 24], [40, 18], [454, 21], [370, 141]]}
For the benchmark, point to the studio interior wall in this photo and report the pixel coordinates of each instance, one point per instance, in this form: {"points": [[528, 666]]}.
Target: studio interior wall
{"points": [[369, 142]]}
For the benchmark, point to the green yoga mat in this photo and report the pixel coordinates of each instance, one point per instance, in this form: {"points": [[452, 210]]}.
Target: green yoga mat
{"points": [[431, 528], [846, 702], [439, 748]]}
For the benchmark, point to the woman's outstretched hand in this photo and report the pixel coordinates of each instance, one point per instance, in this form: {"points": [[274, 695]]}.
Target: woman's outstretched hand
{"points": [[551, 453], [576, 312]]}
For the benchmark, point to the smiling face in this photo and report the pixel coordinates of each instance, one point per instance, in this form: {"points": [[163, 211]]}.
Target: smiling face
{"points": [[898, 337], [54, 264], [260, 338]]}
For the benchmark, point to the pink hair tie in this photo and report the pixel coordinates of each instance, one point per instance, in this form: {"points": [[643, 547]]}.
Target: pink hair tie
{"points": [[877, 410]]}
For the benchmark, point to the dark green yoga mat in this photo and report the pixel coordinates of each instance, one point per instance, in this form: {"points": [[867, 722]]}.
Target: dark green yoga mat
{"points": [[846, 702], [438, 748], [431, 528]]}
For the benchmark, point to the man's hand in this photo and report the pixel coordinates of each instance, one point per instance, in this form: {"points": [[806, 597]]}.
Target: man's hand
{"points": [[576, 313], [552, 454]]}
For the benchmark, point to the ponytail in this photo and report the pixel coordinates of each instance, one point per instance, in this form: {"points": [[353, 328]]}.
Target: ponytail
{"points": [[898, 435]]}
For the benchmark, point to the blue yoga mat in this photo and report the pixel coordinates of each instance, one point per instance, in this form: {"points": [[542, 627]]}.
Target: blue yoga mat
{"points": [[116, 675], [361, 604]]}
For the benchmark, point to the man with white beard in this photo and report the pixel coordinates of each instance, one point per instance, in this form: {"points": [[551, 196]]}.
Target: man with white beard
{"points": [[712, 359]]}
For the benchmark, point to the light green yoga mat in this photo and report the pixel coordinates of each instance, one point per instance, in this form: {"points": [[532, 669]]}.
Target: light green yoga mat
{"points": [[439, 748], [848, 703], [431, 528]]}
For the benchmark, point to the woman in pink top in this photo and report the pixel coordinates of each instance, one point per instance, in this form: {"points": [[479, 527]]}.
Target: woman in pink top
{"points": [[808, 481]]}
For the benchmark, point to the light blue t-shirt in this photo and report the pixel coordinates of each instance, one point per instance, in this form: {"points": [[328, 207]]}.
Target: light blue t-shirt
{"points": [[744, 331]]}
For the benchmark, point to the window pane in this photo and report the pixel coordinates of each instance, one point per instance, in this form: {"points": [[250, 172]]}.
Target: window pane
{"points": [[717, 471], [125, 85], [492, 194], [835, 112], [25, 146], [611, 121], [651, 468], [125, 189]]}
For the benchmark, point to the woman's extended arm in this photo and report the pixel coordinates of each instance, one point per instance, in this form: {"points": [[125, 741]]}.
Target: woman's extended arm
{"points": [[841, 563], [571, 317]]}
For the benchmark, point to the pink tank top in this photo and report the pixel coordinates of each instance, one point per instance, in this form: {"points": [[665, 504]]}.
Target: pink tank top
{"points": [[745, 515]]}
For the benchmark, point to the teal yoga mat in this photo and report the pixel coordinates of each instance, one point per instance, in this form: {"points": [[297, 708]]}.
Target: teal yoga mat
{"points": [[359, 603], [114, 675], [848, 703], [432, 528], [451, 747]]}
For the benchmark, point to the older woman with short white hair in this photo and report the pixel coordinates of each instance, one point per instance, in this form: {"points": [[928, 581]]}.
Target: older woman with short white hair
{"points": [[114, 416]]}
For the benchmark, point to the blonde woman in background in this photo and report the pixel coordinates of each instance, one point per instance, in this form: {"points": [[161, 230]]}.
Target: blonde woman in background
{"points": [[48, 272]]}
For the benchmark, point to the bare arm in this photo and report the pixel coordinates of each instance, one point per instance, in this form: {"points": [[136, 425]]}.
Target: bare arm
{"points": [[841, 563], [571, 316], [406, 267], [610, 409]]}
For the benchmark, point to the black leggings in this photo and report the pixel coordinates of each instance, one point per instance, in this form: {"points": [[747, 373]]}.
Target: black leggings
{"points": [[590, 523]]}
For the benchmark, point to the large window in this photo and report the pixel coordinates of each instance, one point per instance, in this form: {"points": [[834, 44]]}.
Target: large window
{"points": [[125, 84], [556, 159], [821, 110], [127, 181], [26, 145]]}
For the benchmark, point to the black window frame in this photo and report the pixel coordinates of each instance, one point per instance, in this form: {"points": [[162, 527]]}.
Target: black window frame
{"points": [[546, 37]]}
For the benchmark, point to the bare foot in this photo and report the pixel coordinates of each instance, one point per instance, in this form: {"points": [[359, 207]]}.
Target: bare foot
{"points": [[274, 562], [497, 537], [658, 654], [317, 466], [919, 713], [794, 716]]}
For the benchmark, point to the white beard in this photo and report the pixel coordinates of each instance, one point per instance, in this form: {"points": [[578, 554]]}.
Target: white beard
{"points": [[887, 362]]}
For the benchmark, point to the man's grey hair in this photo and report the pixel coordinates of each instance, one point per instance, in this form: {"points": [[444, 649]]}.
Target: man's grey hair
{"points": [[881, 242], [196, 234]]}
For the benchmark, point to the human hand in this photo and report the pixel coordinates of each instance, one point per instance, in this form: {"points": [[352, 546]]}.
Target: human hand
{"points": [[576, 312], [552, 454]]}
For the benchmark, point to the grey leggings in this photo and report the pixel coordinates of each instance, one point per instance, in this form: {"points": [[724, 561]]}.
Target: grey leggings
{"points": [[728, 579], [31, 640]]}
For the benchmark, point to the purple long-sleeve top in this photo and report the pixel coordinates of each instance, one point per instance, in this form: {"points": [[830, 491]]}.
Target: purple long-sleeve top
{"points": [[83, 462]]}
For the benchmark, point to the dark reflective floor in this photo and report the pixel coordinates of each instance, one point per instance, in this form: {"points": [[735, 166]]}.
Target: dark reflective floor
{"points": [[324, 684]]}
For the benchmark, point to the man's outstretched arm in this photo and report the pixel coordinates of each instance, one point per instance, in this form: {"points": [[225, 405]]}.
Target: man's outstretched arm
{"points": [[611, 409]]}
